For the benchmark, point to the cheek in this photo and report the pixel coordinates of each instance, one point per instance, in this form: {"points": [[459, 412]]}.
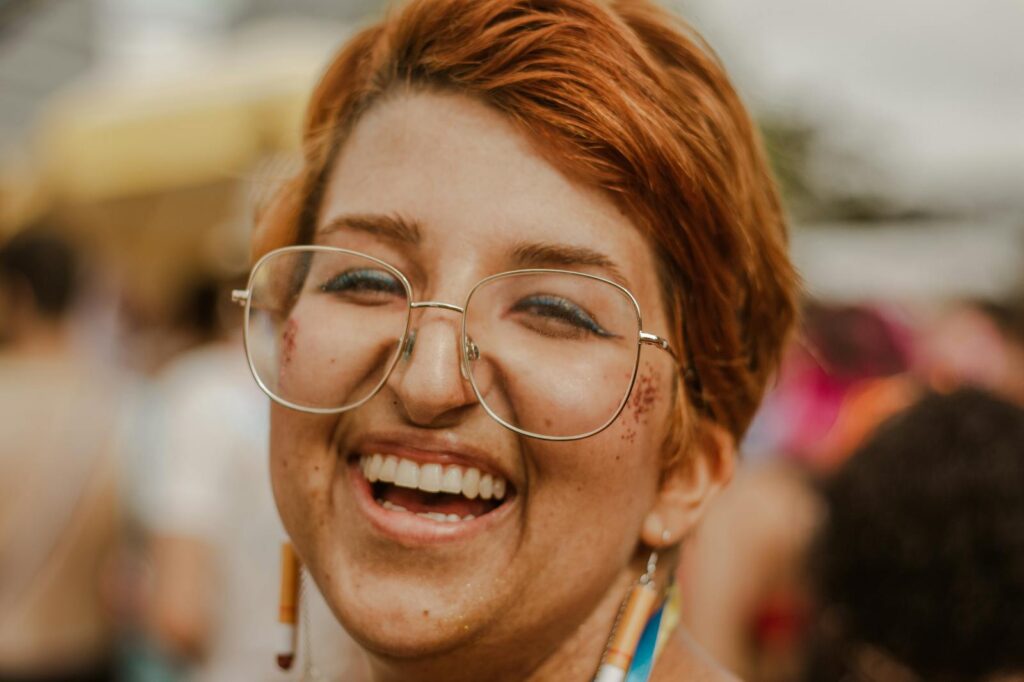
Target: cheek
{"points": [[614, 475], [302, 466], [587, 509], [330, 357]]}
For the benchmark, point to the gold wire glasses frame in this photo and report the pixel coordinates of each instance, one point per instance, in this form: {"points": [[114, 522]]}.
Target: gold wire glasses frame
{"points": [[469, 351]]}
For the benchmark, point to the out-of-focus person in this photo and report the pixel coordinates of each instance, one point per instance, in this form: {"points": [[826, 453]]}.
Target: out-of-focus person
{"points": [[152, 339], [747, 590], [920, 564], [976, 343], [58, 474], [844, 351], [214, 531]]}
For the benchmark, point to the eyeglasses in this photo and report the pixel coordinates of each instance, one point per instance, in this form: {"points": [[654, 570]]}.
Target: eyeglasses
{"points": [[550, 354]]}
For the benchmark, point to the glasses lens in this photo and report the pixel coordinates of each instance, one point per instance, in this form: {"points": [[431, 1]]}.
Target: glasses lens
{"points": [[552, 354], [324, 326]]}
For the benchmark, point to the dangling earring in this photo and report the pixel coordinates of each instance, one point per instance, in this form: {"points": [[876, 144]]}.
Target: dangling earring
{"points": [[288, 606], [629, 626]]}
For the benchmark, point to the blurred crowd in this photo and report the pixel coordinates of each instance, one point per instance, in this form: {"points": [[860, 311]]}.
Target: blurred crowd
{"points": [[876, 529], [138, 534]]}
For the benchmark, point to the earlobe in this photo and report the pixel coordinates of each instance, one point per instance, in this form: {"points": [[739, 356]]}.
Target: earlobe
{"points": [[690, 486]]}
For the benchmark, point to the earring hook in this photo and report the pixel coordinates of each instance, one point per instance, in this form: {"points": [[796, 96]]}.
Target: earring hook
{"points": [[652, 565]]}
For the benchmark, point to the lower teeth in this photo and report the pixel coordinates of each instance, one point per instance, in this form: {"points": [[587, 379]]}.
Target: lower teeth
{"points": [[433, 516]]}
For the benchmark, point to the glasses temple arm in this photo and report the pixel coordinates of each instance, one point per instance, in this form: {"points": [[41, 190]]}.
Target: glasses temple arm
{"points": [[660, 342], [689, 373]]}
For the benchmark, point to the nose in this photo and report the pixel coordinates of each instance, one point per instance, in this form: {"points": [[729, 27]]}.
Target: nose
{"points": [[428, 381]]}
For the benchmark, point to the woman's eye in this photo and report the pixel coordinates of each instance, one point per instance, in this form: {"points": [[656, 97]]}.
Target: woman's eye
{"points": [[556, 316], [366, 284]]}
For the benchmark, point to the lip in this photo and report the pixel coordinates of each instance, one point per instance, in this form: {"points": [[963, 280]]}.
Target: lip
{"points": [[430, 448], [415, 531]]}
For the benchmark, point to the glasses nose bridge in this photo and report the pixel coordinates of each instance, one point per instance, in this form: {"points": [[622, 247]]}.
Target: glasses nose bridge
{"points": [[468, 351], [438, 304]]}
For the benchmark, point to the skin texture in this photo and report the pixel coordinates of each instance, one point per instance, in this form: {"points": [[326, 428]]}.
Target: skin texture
{"points": [[535, 594]]}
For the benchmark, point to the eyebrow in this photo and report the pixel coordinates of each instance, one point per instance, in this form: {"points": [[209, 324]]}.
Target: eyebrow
{"points": [[541, 254], [393, 227]]}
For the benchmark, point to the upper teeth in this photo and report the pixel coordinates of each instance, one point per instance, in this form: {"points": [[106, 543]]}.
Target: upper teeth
{"points": [[432, 477]]}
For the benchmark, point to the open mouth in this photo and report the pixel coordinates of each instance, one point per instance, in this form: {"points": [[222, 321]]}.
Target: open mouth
{"points": [[446, 493]]}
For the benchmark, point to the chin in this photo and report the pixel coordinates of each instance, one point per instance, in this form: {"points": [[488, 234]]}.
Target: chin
{"points": [[404, 615]]}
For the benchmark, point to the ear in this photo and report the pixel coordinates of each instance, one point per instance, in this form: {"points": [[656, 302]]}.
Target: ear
{"points": [[690, 486]]}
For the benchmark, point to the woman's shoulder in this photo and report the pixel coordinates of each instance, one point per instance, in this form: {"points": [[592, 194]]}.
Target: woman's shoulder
{"points": [[684, 659]]}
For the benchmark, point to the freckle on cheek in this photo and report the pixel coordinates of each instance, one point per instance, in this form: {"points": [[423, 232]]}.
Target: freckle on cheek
{"points": [[646, 394], [291, 328]]}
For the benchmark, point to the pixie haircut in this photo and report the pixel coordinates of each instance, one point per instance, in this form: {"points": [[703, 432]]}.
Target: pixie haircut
{"points": [[621, 96]]}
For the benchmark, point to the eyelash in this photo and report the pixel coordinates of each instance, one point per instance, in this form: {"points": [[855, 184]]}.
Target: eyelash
{"points": [[558, 308], [366, 280]]}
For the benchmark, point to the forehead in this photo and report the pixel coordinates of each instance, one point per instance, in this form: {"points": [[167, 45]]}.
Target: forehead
{"points": [[476, 186]]}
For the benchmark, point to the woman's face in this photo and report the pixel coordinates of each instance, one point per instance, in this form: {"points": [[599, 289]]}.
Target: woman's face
{"points": [[530, 569]]}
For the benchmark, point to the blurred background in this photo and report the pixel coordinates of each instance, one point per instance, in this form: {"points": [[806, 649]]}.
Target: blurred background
{"points": [[138, 137]]}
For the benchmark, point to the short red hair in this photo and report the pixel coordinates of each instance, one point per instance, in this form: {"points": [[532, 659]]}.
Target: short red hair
{"points": [[622, 96]]}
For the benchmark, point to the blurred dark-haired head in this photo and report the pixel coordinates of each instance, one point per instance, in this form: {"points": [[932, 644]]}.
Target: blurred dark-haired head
{"points": [[38, 273], [920, 565]]}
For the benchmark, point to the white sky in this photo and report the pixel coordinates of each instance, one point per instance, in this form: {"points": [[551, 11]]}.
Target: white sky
{"points": [[930, 92]]}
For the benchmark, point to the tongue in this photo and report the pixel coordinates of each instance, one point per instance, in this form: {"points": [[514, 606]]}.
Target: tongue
{"points": [[418, 501]]}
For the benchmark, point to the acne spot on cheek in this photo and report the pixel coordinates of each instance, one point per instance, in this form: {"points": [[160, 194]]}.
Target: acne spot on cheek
{"points": [[426, 613]]}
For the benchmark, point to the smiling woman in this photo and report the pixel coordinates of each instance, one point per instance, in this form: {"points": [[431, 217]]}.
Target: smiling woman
{"points": [[514, 315]]}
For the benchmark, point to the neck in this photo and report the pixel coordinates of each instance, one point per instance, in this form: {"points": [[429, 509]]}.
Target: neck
{"points": [[573, 658]]}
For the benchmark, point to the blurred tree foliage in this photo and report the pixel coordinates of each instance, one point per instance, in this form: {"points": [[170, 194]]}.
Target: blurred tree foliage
{"points": [[820, 185]]}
